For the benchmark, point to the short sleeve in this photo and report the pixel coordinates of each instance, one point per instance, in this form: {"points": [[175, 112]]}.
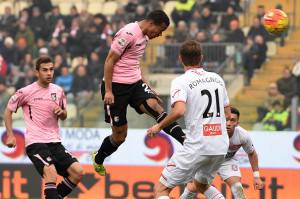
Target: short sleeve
{"points": [[247, 144], [16, 101], [177, 92], [122, 40], [226, 99]]}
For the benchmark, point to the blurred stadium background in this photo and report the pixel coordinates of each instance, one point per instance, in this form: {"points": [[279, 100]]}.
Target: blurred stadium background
{"points": [[262, 73]]}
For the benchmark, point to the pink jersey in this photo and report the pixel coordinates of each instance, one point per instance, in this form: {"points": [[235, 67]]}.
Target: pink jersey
{"points": [[38, 104], [130, 44]]}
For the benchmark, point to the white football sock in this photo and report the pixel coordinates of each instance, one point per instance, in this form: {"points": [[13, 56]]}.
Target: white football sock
{"points": [[187, 194], [237, 191], [213, 193]]}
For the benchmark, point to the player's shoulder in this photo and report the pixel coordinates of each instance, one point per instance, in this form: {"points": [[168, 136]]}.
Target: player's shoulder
{"points": [[128, 30], [180, 79], [27, 89], [56, 87], [242, 133]]}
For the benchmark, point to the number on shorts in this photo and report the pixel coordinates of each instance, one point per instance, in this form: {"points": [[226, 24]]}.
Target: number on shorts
{"points": [[146, 88]]}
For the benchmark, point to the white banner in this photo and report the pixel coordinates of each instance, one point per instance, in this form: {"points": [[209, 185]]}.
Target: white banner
{"points": [[275, 149]]}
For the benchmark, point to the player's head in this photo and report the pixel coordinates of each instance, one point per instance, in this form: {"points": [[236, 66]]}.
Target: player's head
{"points": [[158, 21], [233, 121], [190, 54], [44, 70]]}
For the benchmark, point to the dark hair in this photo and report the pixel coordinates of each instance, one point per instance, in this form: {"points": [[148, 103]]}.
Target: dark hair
{"points": [[235, 111], [158, 17], [191, 53], [42, 60]]}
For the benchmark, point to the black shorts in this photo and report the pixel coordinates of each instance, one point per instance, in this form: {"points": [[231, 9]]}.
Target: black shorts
{"points": [[133, 94], [44, 154]]}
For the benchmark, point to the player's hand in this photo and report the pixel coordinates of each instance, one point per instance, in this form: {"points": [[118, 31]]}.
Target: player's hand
{"points": [[152, 131], [58, 111], [258, 183], [10, 141], [109, 98]]}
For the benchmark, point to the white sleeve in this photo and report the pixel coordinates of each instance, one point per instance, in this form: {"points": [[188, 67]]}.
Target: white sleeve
{"points": [[178, 92], [247, 144]]}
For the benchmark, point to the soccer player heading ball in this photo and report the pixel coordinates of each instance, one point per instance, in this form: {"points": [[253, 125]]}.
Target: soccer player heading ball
{"points": [[124, 85]]}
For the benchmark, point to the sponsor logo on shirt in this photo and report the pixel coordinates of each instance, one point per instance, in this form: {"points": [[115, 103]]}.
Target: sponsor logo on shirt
{"points": [[212, 129], [53, 96], [122, 42]]}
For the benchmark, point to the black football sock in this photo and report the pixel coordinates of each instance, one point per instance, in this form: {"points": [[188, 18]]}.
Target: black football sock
{"points": [[51, 191], [173, 129], [65, 187], [108, 147]]}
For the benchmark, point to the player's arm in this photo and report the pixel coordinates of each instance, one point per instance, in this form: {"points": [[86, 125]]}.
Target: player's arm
{"points": [[177, 112], [253, 159], [61, 113], [11, 140], [110, 61]]}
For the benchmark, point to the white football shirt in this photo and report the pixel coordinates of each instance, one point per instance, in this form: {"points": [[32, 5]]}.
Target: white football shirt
{"points": [[205, 96], [240, 138]]}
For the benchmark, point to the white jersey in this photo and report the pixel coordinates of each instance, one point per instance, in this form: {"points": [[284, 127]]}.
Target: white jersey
{"points": [[205, 96], [240, 138]]}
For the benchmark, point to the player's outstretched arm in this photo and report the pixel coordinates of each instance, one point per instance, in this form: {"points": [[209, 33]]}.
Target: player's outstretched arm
{"points": [[11, 139], [253, 159], [110, 61]]}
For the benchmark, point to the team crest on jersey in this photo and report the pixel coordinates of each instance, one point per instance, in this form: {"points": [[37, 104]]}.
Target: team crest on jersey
{"points": [[53, 96], [122, 42]]}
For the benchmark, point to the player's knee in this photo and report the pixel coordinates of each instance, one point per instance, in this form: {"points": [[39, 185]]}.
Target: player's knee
{"points": [[237, 190], [119, 135], [50, 174], [154, 105], [77, 175]]}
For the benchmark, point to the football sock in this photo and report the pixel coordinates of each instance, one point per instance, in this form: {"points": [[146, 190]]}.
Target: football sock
{"points": [[108, 146], [213, 193], [50, 190], [187, 194], [65, 187]]}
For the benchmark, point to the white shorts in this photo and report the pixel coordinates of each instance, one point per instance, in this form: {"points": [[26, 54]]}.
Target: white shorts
{"points": [[229, 168], [183, 167]]}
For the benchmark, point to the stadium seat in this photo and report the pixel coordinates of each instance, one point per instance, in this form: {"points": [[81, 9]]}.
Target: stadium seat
{"points": [[5, 4], [246, 30], [109, 8], [272, 48], [65, 7], [95, 7]]}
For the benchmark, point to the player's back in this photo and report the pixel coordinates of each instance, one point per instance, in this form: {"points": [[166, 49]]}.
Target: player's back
{"points": [[205, 96]]}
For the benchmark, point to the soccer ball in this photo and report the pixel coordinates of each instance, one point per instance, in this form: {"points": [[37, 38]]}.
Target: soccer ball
{"points": [[275, 21]]}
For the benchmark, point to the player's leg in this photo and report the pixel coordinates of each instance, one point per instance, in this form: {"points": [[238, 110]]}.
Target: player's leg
{"points": [[66, 166], [236, 187], [42, 160], [115, 115], [161, 191], [144, 100], [230, 173]]}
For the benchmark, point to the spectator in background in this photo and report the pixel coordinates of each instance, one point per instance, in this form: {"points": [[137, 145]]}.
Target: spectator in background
{"points": [[296, 73], [91, 40], [27, 63], [119, 16], [3, 67], [140, 13], [131, 6], [193, 30], [260, 12], [43, 52], [4, 96], [272, 95], [235, 33], [214, 29], [276, 119], [59, 62], [72, 15], [9, 51], [226, 19], [21, 50], [257, 29], [25, 79], [55, 48], [100, 22], [74, 44], [8, 21], [287, 85], [84, 20], [201, 37], [25, 32], [82, 87], [23, 16], [59, 29], [261, 51], [38, 24], [65, 80], [183, 11], [181, 32], [54, 17], [95, 68], [206, 18]]}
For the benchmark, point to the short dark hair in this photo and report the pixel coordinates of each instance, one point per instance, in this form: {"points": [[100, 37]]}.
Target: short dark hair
{"points": [[158, 17], [234, 110], [191, 53], [42, 60]]}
